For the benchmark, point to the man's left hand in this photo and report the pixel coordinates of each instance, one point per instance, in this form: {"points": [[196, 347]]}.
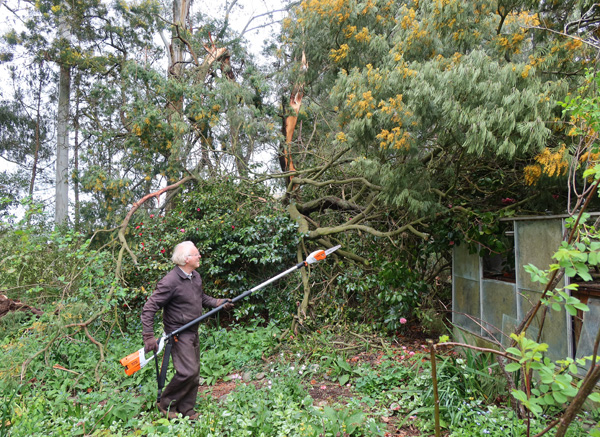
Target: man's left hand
{"points": [[227, 303]]}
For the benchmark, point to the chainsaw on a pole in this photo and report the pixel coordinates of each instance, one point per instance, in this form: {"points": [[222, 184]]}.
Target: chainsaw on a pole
{"points": [[138, 359]]}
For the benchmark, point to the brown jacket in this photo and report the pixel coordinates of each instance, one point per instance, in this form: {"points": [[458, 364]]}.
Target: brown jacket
{"points": [[180, 298]]}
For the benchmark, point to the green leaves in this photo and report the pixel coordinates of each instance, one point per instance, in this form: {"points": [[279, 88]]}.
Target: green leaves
{"points": [[537, 275], [513, 367], [242, 242], [343, 371], [555, 386], [343, 421]]}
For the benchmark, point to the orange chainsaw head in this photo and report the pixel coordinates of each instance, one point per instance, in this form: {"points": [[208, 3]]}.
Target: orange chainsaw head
{"points": [[320, 255], [317, 255], [131, 363]]}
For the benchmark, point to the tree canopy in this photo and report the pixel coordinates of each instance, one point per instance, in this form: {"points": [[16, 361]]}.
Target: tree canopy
{"points": [[397, 129]]}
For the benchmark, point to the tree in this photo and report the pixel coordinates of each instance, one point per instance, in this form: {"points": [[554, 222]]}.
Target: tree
{"points": [[423, 113], [24, 138], [203, 115], [62, 128]]}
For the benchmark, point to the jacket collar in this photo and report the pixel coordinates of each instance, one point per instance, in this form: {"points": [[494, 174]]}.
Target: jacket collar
{"points": [[182, 274]]}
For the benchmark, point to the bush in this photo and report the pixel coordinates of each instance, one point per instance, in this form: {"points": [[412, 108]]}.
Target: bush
{"points": [[244, 238]]}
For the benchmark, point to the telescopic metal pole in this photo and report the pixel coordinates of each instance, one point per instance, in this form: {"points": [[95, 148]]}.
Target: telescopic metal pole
{"points": [[311, 259]]}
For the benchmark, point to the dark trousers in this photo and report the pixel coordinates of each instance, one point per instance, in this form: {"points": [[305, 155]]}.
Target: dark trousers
{"points": [[182, 391]]}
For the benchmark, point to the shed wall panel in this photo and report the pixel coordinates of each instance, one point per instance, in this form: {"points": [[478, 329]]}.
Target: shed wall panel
{"points": [[466, 303], [466, 265], [498, 300]]}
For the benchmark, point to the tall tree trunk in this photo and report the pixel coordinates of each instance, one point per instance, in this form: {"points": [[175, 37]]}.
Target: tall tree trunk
{"points": [[38, 120], [176, 47], [62, 136], [181, 10], [77, 217]]}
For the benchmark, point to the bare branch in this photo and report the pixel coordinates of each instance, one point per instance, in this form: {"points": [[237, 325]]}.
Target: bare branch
{"points": [[337, 182], [136, 206], [246, 29], [327, 202], [576, 38], [321, 232]]}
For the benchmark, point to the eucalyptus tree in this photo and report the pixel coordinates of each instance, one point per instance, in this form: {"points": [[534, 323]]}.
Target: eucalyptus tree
{"points": [[87, 39], [25, 132], [193, 106], [26, 126]]}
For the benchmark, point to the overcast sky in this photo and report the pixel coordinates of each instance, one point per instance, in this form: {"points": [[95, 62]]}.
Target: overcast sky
{"points": [[249, 15]]}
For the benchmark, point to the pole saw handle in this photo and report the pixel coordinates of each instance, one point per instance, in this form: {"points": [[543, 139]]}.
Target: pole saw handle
{"points": [[135, 361]]}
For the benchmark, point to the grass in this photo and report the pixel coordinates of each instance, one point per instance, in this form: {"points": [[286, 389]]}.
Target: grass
{"points": [[326, 384]]}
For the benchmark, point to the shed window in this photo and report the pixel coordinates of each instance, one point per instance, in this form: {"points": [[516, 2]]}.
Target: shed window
{"points": [[500, 265]]}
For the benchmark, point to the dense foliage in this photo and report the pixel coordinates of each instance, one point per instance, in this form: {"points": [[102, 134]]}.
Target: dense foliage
{"points": [[243, 235], [296, 391], [397, 130]]}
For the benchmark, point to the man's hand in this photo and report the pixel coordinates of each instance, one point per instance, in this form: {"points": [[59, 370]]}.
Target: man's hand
{"points": [[150, 343], [227, 303]]}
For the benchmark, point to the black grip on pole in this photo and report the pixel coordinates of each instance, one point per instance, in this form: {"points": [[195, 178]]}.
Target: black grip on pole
{"points": [[163, 371], [157, 373]]}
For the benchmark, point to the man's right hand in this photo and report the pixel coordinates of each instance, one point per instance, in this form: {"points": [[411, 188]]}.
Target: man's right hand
{"points": [[150, 343]]}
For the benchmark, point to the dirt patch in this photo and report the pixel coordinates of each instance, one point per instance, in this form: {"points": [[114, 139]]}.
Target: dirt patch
{"points": [[217, 391], [323, 393], [329, 393], [326, 392], [406, 430], [8, 305]]}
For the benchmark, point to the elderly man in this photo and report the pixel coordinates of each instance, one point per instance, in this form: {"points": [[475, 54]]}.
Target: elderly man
{"points": [[181, 297]]}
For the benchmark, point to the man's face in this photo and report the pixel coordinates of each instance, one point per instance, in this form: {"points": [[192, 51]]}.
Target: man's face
{"points": [[193, 259]]}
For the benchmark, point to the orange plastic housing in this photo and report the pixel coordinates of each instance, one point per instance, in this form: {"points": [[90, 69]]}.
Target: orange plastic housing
{"points": [[131, 363]]}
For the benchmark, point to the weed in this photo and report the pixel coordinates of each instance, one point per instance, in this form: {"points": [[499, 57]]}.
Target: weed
{"points": [[69, 401]]}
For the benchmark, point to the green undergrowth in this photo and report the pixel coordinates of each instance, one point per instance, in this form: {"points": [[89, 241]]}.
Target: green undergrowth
{"points": [[346, 382]]}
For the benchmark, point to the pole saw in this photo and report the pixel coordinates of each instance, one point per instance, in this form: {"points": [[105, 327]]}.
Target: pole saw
{"points": [[138, 359]]}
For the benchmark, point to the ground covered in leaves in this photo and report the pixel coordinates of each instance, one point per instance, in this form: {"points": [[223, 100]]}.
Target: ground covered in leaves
{"points": [[259, 381], [325, 391]]}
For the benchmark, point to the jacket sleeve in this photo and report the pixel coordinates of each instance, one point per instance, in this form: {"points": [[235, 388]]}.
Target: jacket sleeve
{"points": [[207, 300], [161, 296]]}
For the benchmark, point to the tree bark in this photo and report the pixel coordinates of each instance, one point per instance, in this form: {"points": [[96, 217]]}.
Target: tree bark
{"points": [[36, 154], [302, 306], [77, 216], [181, 10], [62, 136]]}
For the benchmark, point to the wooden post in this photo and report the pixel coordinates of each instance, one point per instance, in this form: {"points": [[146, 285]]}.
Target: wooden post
{"points": [[436, 399]]}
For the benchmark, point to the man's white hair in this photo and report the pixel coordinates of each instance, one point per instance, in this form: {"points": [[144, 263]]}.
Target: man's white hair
{"points": [[181, 252]]}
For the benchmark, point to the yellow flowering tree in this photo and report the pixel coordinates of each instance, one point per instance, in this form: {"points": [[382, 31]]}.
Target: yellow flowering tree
{"points": [[449, 89], [426, 114], [579, 152]]}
